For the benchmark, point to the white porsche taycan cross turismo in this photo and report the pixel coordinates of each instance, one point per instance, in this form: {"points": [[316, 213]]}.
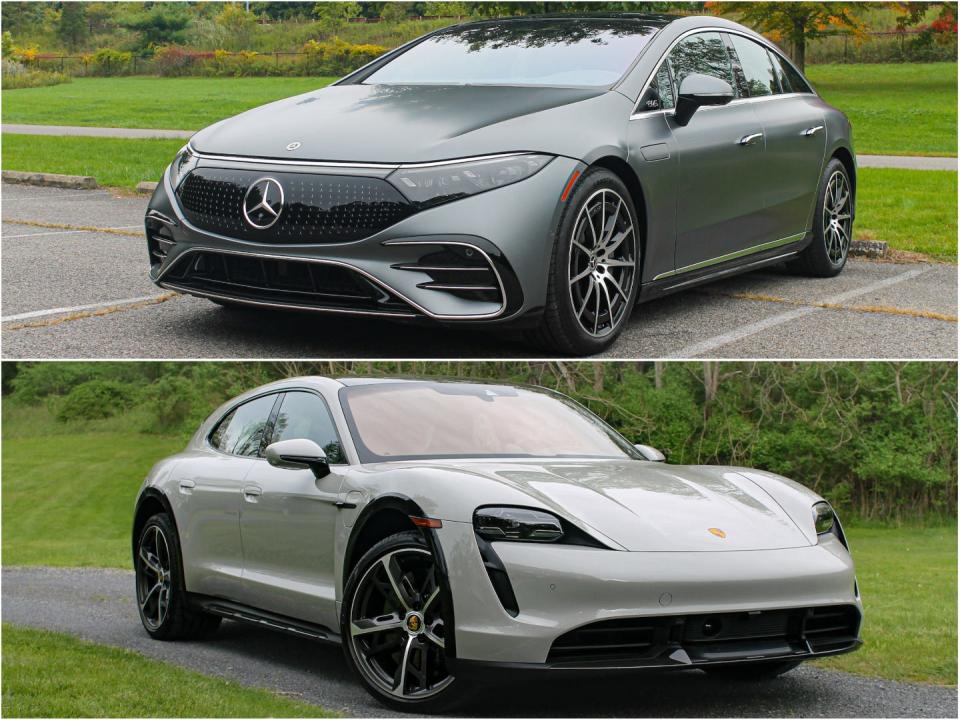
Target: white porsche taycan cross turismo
{"points": [[443, 530]]}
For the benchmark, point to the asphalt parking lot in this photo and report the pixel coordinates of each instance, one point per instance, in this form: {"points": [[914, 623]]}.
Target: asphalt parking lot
{"points": [[98, 605], [82, 291]]}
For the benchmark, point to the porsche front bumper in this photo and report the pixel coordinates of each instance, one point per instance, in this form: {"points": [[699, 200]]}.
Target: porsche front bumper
{"points": [[590, 609]]}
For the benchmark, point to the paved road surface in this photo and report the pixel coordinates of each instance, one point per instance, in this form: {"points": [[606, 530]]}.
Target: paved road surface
{"points": [[98, 605], [865, 161], [67, 294]]}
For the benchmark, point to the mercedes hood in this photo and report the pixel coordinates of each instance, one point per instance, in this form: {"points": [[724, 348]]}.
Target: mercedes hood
{"points": [[403, 123]]}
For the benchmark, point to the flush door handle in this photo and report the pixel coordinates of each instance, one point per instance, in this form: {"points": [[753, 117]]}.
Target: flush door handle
{"points": [[811, 131], [751, 139], [251, 494], [186, 487]]}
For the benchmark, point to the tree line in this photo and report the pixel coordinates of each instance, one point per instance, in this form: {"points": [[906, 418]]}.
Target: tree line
{"points": [[878, 439]]}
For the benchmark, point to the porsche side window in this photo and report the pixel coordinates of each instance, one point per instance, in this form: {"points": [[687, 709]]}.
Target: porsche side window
{"points": [[703, 53], [305, 415], [758, 77], [241, 431]]}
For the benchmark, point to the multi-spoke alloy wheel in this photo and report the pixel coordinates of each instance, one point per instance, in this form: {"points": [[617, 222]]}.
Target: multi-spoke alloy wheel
{"points": [[602, 263], [154, 578], [837, 219], [396, 632]]}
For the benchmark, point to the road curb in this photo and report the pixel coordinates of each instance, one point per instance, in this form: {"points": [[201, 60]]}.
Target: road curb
{"points": [[50, 180], [146, 187], [868, 248]]}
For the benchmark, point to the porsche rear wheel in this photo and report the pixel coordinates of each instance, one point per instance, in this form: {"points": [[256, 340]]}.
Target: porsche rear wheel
{"points": [[393, 626]]}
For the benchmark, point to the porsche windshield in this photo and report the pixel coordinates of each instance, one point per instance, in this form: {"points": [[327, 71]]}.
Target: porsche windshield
{"points": [[563, 53], [409, 421]]}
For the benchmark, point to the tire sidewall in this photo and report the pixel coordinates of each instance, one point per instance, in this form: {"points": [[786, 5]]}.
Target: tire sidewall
{"points": [[819, 248], [398, 541], [177, 595], [592, 180]]}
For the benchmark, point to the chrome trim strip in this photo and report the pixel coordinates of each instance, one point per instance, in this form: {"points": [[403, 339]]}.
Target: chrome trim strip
{"points": [[738, 101], [732, 256], [427, 268], [493, 268], [358, 165], [710, 277], [730, 31], [327, 261], [161, 218]]}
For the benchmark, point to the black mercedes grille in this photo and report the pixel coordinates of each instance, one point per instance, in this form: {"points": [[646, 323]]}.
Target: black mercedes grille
{"points": [[711, 637], [292, 282], [316, 208]]}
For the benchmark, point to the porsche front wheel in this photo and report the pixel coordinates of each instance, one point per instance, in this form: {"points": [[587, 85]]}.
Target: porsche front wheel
{"points": [[393, 626]]}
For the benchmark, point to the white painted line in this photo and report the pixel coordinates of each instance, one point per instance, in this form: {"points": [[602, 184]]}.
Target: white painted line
{"points": [[65, 232], [704, 347], [77, 308]]}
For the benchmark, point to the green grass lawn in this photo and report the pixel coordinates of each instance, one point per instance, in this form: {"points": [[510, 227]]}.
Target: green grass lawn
{"points": [[68, 500], [913, 210], [908, 581], [57, 676], [148, 102], [114, 162], [899, 109]]}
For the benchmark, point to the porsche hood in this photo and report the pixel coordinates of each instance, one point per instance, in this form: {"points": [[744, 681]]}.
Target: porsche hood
{"points": [[657, 507], [401, 123]]}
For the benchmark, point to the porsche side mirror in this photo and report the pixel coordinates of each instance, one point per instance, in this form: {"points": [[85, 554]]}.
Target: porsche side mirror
{"points": [[648, 452], [297, 454], [698, 90]]}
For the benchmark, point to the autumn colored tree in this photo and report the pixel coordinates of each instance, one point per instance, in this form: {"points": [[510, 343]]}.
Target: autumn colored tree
{"points": [[795, 22]]}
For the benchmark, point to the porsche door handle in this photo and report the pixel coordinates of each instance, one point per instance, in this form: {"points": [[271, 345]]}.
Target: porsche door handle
{"points": [[186, 487], [811, 131], [251, 494], [751, 139]]}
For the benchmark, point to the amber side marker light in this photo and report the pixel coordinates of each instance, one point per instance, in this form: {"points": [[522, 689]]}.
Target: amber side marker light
{"points": [[569, 186], [426, 522]]}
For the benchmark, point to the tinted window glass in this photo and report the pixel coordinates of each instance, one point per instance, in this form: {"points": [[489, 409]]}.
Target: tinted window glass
{"points": [[792, 81], [241, 432], [524, 52], [305, 415], [758, 77], [703, 53], [664, 86]]}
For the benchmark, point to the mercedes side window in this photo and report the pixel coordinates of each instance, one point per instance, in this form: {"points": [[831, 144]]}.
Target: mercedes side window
{"points": [[791, 80], [703, 53], [241, 431], [659, 94], [758, 76], [305, 415]]}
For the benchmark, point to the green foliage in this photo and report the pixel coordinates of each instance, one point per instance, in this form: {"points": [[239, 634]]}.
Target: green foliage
{"points": [[95, 399], [72, 28], [238, 26], [106, 62], [877, 439], [337, 57], [55, 675], [16, 76], [162, 24]]}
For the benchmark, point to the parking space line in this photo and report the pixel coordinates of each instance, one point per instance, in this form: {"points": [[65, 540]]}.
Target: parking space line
{"points": [[706, 346], [118, 230], [883, 309], [81, 311]]}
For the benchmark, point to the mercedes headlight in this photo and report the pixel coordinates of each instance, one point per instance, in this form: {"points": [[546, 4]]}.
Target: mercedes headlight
{"points": [[183, 163], [427, 185]]}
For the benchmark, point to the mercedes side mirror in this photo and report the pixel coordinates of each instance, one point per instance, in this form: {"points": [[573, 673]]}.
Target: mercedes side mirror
{"points": [[298, 454], [648, 452], [698, 90]]}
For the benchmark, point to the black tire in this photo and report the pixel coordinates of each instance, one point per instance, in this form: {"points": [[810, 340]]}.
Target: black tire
{"points": [[754, 671], [815, 260], [560, 329], [450, 694], [175, 620]]}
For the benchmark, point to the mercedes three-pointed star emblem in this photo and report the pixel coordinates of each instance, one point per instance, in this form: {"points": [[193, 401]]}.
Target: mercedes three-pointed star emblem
{"points": [[263, 203]]}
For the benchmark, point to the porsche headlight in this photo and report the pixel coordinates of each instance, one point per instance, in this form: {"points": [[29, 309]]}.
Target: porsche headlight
{"points": [[823, 517], [517, 524], [183, 163], [429, 185]]}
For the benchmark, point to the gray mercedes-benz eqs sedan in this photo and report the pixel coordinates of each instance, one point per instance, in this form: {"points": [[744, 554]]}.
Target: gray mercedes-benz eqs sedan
{"points": [[542, 172]]}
